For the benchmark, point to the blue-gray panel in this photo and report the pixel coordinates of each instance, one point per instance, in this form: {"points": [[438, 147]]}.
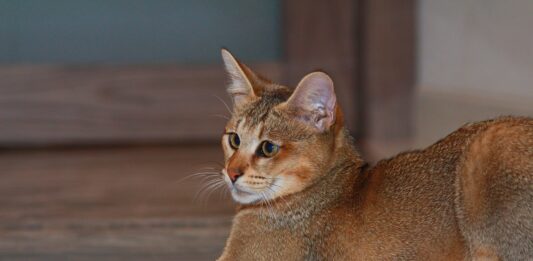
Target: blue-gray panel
{"points": [[7, 27], [137, 31]]}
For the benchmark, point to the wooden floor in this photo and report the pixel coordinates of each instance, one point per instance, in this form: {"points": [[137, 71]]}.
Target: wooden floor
{"points": [[110, 204]]}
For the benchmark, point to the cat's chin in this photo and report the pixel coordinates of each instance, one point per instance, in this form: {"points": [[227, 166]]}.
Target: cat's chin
{"points": [[244, 197]]}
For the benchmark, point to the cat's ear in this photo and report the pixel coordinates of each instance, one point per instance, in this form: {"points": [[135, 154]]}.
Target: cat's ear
{"points": [[240, 87], [313, 101]]}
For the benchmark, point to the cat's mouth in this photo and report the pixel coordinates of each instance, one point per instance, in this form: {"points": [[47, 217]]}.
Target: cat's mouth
{"points": [[241, 192], [244, 196], [247, 195]]}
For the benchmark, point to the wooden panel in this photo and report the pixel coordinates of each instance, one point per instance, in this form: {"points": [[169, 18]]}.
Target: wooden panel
{"points": [[134, 182], [388, 54], [110, 204], [113, 104], [147, 239], [321, 35]]}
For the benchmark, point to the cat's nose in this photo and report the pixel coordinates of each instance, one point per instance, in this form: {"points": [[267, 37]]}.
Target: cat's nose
{"points": [[234, 174]]}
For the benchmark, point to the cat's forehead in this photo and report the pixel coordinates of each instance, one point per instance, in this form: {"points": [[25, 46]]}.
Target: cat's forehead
{"points": [[254, 114], [258, 111], [261, 118]]}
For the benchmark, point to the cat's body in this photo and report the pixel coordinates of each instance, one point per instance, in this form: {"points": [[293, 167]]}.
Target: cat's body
{"points": [[468, 196]]}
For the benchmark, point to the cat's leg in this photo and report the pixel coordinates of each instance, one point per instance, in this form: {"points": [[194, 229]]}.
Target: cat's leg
{"points": [[495, 192]]}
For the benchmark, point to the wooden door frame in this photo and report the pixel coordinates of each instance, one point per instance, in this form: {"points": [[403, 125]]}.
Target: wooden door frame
{"points": [[369, 47]]}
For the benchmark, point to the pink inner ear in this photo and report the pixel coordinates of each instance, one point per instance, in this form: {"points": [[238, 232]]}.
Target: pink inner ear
{"points": [[314, 100]]}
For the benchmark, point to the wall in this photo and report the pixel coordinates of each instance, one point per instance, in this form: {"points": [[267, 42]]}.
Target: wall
{"points": [[138, 31], [477, 48]]}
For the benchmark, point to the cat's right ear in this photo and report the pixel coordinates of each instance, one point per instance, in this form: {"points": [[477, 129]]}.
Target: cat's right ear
{"points": [[240, 87]]}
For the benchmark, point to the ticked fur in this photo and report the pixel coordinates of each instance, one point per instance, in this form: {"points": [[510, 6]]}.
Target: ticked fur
{"points": [[467, 197]]}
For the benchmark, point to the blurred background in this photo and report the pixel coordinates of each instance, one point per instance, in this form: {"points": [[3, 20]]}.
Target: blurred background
{"points": [[105, 106]]}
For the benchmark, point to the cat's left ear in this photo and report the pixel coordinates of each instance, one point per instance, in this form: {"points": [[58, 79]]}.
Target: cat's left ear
{"points": [[313, 101], [241, 86]]}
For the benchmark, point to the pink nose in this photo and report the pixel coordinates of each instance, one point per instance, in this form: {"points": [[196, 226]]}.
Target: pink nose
{"points": [[234, 174]]}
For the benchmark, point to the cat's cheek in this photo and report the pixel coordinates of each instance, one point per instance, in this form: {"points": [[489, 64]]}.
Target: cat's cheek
{"points": [[287, 184]]}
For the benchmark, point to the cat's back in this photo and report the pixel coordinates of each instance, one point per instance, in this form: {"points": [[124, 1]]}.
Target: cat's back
{"points": [[494, 186], [470, 193], [408, 201], [505, 142], [423, 177]]}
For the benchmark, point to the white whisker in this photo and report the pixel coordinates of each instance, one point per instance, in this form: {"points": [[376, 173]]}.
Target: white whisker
{"points": [[198, 175], [280, 198], [205, 187], [212, 189], [220, 116], [225, 104]]}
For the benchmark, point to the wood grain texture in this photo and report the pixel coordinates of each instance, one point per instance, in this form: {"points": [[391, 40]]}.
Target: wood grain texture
{"points": [[322, 35], [41, 105], [135, 239], [388, 63], [110, 204], [106, 183]]}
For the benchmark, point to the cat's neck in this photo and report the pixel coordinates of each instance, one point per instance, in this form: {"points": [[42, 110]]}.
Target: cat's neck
{"points": [[334, 187]]}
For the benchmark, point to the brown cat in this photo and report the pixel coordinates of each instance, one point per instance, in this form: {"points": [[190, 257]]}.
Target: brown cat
{"points": [[305, 193]]}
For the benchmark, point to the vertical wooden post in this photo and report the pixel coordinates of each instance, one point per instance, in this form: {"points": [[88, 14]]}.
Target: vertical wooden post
{"points": [[388, 53], [369, 48], [322, 35]]}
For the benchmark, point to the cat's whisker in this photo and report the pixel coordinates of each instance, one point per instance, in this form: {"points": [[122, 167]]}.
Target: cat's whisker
{"points": [[210, 167], [202, 170], [206, 186], [206, 173], [280, 198], [212, 189], [199, 192], [272, 207], [263, 199], [208, 191], [212, 172], [223, 102], [198, 175], [226, 192], [220, 116], [266, 205], [269, 205], [222, 192], [209, 179]]}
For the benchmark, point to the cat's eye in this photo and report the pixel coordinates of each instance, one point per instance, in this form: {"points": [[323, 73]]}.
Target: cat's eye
{"points": [[268, 149], [234, 140]]}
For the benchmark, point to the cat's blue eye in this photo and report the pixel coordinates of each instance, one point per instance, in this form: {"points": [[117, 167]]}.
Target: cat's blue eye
{"points": [[234, 140], [268, 149]]}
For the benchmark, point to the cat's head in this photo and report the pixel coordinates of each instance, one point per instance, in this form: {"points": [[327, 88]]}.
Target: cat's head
{"points": [[278, 141]]}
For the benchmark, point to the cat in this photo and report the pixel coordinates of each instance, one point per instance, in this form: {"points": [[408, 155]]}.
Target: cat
{"points": [[304, 193]]}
